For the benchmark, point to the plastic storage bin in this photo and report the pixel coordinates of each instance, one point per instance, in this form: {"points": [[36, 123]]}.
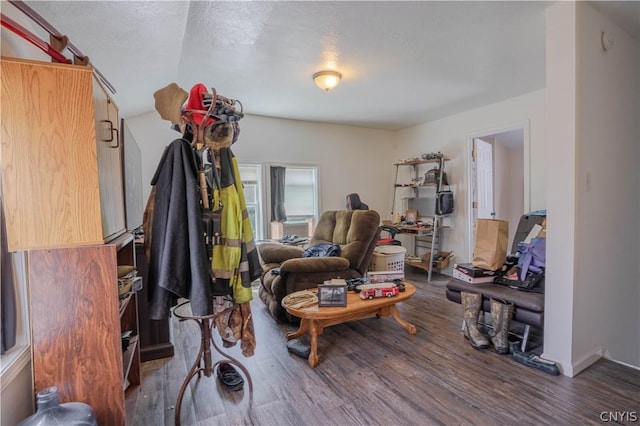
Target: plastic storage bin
{"points": [[388, 258]]}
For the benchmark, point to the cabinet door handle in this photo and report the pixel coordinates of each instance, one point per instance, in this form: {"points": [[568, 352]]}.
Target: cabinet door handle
{"points": [[111, 130]]}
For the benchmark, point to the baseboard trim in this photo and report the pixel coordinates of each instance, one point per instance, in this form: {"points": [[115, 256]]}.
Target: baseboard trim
{"points": [[607, 355], [586, 361], [635, 367]]}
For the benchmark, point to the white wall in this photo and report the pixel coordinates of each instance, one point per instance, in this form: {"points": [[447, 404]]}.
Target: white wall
{"points": [[560, 270], [606, 314], [592, 295], [449, 135], [350, 159]]}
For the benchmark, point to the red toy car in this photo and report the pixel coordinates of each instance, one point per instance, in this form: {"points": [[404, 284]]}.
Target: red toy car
{"points": [[378, 290]]}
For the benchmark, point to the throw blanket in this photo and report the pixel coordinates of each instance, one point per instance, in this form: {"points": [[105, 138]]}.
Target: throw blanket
{"points": [[322, 250]]}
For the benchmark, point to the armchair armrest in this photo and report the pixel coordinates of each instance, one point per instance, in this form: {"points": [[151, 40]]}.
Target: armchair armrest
{"points": [[315, 264], [278, 253]]}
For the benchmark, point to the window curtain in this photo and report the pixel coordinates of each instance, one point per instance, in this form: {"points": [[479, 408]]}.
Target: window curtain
{"points": [[278, 213], [7, 291]]}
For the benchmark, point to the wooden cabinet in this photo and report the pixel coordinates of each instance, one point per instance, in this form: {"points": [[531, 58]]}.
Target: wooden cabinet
{"points": [[76, 325], [51, 174], [109, 153], [64, 205]]}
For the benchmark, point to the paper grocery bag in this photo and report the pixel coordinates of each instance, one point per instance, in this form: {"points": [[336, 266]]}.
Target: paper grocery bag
{"points": [[490, 250]]}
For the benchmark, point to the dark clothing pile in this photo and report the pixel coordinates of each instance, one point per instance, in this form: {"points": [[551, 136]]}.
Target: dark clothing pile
{"points": [[322, 250], [178, 263]]}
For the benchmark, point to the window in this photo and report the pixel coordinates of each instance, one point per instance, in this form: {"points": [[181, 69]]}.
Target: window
{"points": [[12, 361], [251, 175], [301, 196], [301, 193], [293, 200]]}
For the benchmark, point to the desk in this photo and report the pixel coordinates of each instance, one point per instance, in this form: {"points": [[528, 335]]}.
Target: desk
{"points": [[414, 230]]}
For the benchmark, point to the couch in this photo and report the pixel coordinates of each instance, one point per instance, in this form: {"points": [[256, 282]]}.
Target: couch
{"points": [[528, 307], [286, 271]]}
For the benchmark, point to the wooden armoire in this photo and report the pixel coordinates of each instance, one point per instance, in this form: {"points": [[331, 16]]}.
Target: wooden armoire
{"points": [[64, 205]]}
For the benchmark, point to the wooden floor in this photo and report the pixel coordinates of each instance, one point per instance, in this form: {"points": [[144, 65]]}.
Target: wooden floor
{"points": [[372, 372]]}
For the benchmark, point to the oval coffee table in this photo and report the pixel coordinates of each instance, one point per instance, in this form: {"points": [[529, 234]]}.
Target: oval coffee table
{"points": [[314, 319]]}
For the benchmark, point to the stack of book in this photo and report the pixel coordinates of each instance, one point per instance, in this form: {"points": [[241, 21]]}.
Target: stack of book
{"points": [[468, 273]]}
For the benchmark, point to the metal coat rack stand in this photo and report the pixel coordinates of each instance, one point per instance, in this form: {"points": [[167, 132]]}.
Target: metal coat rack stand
{"points": [[203, 362]]}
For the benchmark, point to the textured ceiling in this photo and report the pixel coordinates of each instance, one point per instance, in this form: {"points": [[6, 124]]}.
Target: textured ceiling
{"points": [[403, 63]]}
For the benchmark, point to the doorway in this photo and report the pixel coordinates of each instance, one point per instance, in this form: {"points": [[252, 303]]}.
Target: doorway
{"points": [[498, 178]]}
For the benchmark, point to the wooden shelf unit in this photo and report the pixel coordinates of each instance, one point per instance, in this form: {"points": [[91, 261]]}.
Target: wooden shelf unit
{"points": [[129, 318]]}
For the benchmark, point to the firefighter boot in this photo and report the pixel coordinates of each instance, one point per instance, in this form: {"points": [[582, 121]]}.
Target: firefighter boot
{"points": [[500, 318], [471, 307]]}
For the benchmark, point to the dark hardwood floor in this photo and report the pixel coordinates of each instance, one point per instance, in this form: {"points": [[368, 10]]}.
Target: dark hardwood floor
{"points": [[372, 372]]}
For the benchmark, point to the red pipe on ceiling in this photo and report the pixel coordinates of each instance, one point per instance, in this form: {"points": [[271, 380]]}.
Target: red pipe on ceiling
{"points": [[55, 33], [11, 25]]}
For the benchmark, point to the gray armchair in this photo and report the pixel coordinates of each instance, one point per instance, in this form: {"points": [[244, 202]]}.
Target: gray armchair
{"points": [[355, 231]]}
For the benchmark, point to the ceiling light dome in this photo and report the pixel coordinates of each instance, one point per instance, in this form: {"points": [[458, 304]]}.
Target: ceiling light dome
{"points": [[327, 80]]}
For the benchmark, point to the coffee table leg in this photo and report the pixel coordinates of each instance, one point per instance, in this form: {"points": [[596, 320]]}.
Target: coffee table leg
{"points": [[314, 330], [304, 328], [393, 310], [310, 327]]}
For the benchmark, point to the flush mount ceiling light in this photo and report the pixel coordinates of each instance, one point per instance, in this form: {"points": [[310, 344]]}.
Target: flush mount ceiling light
{"points": [[327, 80]]}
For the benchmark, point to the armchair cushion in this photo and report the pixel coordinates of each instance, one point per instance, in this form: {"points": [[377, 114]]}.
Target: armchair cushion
{"points": [[315, 264], [356, 232], [278, 253]]}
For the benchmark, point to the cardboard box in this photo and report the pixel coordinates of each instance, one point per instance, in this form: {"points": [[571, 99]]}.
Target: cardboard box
{"points": [[441, 261]]}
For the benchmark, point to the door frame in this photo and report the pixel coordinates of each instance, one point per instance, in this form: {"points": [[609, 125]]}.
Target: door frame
{"points": [[526, 148]]}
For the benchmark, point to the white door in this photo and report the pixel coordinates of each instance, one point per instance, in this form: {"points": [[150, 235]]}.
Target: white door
{"points": [[483, 169]]}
